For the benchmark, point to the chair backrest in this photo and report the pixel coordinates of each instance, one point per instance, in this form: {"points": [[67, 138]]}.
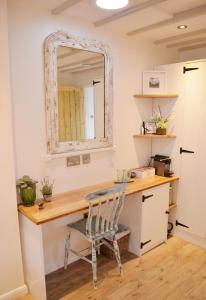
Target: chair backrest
{"points": [[104, 211]]}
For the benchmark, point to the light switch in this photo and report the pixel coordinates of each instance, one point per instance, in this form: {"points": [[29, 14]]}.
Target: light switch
{"points": [[86, 158], [73, 160]]}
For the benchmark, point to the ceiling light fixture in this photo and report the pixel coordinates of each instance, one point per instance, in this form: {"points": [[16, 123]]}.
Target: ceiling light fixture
{"points": [[182, 27], [112, 4]]}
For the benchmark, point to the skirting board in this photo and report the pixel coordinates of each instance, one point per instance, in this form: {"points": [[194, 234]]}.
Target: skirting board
{"points": [[189, 237], [20, 291]]}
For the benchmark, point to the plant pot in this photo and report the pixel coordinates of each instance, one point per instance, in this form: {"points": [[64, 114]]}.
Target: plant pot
{"points": [[28, 195], [47, 198], [161, 131]]}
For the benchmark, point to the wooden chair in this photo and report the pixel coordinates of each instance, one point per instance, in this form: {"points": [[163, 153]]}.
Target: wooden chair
{"points": [[102, 222]]}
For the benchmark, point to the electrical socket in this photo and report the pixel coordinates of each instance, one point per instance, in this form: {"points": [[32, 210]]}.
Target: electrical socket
{"points": [[73, 160]]}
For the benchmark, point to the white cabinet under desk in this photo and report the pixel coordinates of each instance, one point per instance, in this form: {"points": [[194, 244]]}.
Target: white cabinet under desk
{"points": [[146, 214]]}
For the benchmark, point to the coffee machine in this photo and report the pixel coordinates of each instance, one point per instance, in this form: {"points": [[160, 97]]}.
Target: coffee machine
{"points": [[162, 165]]}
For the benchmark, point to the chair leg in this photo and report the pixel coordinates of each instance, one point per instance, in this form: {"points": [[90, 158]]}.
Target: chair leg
{"points": [[117, 255], [66, 252], [98, 247], [94, 264]]}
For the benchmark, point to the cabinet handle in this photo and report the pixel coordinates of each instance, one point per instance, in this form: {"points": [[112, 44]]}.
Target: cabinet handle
{"points": [[146, 197], [167, 212]]}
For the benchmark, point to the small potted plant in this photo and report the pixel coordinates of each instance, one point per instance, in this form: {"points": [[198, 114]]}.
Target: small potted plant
{"points": [[47, 188], [161, 122], [27, 190]]}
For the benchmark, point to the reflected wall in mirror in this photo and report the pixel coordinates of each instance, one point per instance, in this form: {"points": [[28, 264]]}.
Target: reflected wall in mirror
{"points": [[81, 107], [78, 77]]}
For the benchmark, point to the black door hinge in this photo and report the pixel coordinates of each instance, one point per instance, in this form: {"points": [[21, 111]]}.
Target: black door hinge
{"points": [[182, 225], [146, 197], [185, 151], [145, 243], [95, 82], [185, 69]]}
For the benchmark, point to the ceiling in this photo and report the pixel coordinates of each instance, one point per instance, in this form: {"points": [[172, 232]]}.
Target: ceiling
{"points": [[177, 12]]}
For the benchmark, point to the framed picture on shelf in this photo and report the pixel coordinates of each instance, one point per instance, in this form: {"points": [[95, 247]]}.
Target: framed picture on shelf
{"points": [[154, 82], [150, 127]]}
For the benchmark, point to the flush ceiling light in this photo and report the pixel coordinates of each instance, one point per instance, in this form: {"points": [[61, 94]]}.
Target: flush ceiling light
{"points": [[182, 27], [112, 4]]}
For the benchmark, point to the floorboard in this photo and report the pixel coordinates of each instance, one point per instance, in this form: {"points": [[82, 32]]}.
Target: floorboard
{"points": [[174, 271]]}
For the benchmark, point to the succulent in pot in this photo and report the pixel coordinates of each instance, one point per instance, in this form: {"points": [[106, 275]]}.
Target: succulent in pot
{"points": [[27, 190], [47, 188], [161, 122]]}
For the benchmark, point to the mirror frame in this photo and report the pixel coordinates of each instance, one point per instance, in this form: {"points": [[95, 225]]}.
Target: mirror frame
{"points": [[52, 42]]}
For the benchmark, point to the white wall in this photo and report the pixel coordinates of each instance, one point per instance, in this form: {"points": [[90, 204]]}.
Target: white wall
{"points": [[11, 273], [29, 26]]}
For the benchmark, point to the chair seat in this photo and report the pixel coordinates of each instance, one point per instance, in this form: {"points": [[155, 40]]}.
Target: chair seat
{"points": [[81, 227]]}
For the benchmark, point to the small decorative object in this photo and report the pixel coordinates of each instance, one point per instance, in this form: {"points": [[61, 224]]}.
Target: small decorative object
{"points": [[27, 190], [123, 176], [161, 122], [144, 172], [149, 127], [46, 189], [40, 203], [154, 82]]}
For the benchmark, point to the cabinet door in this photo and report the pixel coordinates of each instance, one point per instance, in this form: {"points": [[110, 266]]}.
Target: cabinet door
{"points": [[131, 217], [154, 222]]}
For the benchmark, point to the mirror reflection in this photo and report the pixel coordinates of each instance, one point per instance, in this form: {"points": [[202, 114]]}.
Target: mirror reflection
{"points": [[81, 96]]}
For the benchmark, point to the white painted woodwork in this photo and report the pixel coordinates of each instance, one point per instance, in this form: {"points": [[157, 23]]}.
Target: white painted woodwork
{"points": [[189, 111], [128, 11], [180, 36], [198, 46], [33, 257], [192, 204], [147, 220], [65, 5], [187, 42], [181, 16], [52, 42]]}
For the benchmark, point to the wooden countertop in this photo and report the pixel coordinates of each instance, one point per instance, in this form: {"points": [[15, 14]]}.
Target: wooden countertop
{"points": [[70, 202]]}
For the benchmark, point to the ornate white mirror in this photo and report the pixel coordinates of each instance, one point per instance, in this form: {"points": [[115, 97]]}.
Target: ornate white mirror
{"points": [[78, 76]]}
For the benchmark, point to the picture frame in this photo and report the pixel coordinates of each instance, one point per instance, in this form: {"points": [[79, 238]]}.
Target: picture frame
{"points": [[150, 127], [153, 82]]}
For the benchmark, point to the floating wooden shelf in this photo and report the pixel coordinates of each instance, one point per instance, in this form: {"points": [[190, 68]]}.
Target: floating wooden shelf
{"points": [[160, 96], [173, 205], [155, 136]]}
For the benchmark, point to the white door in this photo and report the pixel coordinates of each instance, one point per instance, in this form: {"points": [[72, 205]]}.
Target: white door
{"points": [[154, 217], [89, 112], [99, 107], [192, 197]]}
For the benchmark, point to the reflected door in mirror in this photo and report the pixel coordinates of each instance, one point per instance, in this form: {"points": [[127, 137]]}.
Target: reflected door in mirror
{"points": [[81, 94]]}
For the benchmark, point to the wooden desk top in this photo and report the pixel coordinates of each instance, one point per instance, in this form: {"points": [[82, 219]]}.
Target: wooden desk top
{"points": [[71, 202]]}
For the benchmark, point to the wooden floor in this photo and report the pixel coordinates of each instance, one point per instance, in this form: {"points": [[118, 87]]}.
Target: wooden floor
{"points": [[27, 297], [173, 271]]}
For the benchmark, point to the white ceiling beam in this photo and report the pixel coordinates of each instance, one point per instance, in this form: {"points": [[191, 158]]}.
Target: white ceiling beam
{"points": [[62, 7], [180, 36], [128, 11], [81, 68], [178, 17], [188, 42], [92, 60], [89, 68], [73, 52], [192, 47]]}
